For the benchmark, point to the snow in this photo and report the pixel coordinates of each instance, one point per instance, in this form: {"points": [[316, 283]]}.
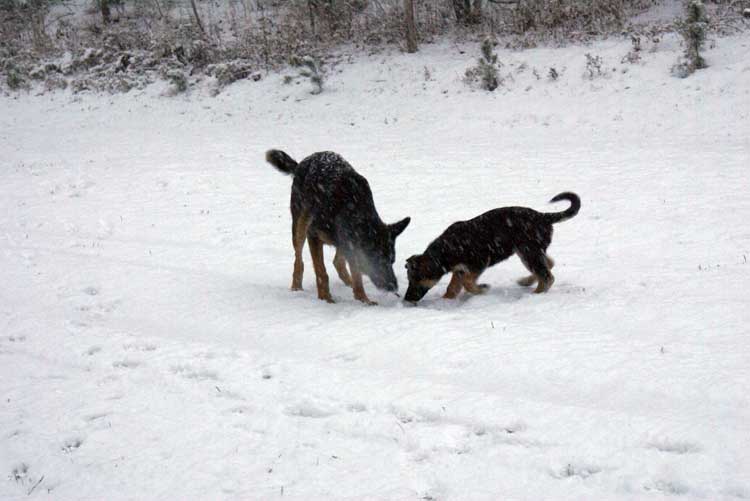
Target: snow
{"points": [[151, 349]]}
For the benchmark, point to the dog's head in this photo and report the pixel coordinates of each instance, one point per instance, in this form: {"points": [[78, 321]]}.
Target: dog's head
{"points": [[423, 272], [380, 253]]}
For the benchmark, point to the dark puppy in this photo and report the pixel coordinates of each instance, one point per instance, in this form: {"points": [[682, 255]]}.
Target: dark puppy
{"points": [[467, 248], [332, 204]]}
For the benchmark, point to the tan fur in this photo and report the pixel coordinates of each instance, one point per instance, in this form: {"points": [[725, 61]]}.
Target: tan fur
{"points": [[527, 281], [358, 287], [455, 286], [339, 262], [544, 286], [532, 279], [428, 283], [299, 234], [470, 284], [321, 275]]}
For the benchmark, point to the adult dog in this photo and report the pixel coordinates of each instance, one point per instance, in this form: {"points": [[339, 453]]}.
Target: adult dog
{"points": [[332, 204]]}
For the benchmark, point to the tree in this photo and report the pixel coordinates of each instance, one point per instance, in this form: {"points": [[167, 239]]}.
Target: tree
{"points": [[462, 8], [106, 12], [411, 28], [468, 12], [693, 29], [197, 17]]}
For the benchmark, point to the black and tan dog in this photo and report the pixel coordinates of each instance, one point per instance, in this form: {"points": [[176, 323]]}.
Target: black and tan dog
{"points": [[332, 204], [467, 248]]}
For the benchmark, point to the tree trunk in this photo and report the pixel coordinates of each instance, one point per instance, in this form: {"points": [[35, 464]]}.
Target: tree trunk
{"points": [[197, 17], [411, 28], [158, 9], [462, 9], [476, 11], [106, 13], [311, 9]]}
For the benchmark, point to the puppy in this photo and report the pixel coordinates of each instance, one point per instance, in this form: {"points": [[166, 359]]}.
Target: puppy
{"points": [[467, 248]]}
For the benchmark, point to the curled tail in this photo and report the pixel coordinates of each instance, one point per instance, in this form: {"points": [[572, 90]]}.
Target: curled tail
{"points": [[281, 161], [575, 206]]}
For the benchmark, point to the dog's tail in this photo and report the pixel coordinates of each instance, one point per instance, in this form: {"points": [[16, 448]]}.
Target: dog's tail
{"points": [[575, 206], [283, 162]]}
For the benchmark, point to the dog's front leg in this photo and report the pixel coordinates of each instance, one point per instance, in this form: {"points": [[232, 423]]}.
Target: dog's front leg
{"points": [[455, 286], [358, 287], [321, 276], [339, 262], [470, 284]]}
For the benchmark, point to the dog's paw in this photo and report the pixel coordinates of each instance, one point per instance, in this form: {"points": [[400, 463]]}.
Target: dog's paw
{"points": [[296, 289], [526, 281], [483, 288]]}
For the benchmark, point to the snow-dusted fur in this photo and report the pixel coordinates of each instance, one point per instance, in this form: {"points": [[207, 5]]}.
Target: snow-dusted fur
{"points": [[332, 204], [468, 248]]}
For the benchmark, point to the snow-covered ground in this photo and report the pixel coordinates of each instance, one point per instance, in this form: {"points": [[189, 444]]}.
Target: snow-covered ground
{"points": [[151, 349]]}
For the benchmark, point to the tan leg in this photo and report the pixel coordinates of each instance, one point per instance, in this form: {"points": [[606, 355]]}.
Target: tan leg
{"points": [[339, 262], [455, 286], [527, 281], [470, 284], [321, 275], [550, 262], [544, 285], [299, 234], [531, 279], [358, 287]]}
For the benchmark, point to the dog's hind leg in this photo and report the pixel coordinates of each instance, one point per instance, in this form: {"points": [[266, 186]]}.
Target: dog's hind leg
{"points": [[358, 287], [531, 279], [455, 286], [300, 223], [321, 275], [527, 281], [339, 262], [537, 262]]}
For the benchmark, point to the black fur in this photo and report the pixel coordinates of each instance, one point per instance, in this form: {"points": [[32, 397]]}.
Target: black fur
{"points": [[472, 246], [281, 161], [337, 202]]}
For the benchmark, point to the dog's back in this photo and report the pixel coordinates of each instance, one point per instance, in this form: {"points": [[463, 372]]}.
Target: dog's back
{"points": [[337, 197]]}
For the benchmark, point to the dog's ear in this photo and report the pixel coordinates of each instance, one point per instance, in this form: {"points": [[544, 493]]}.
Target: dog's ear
{"points": [[411, 262], [397, 228]]}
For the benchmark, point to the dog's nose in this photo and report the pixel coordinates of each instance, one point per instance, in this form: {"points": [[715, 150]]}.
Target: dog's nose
{"points": [[392, 287]]}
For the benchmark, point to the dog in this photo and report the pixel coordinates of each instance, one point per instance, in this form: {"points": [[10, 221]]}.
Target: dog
{"points": [[332, 204], [467, 248]]}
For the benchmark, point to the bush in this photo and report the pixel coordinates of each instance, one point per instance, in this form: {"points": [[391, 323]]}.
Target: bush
{"points": [[15, 80], [634, 55], [486, 72], [693, 30], [228, 73], [310, 68], [178, 80], [593, 66]]}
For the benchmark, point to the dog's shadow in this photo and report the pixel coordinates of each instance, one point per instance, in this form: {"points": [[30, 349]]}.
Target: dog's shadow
{"points": [[498, 294]]}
